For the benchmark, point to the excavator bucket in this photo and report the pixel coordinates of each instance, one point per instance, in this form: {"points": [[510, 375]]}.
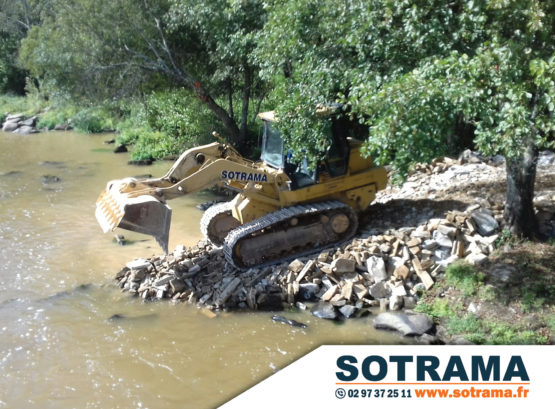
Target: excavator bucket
{"points": [[142, 214]]}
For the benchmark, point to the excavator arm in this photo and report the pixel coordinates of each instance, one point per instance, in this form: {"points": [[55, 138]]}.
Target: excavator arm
{"points": [[140, 204]]}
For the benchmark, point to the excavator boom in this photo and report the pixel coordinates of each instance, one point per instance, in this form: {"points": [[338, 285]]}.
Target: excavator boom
{"points": [[139, 205]]}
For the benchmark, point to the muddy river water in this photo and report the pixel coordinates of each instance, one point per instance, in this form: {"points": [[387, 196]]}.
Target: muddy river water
{"points": [[57, 347]]}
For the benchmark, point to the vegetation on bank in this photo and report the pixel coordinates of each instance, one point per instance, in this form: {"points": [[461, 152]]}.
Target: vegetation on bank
{"points": [[509, 300], [160, 126]]}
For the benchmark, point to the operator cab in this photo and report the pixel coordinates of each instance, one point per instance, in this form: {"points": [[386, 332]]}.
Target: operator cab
{"points": [[335, 162]]}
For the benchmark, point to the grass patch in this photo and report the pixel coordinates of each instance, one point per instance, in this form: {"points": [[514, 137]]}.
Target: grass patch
{"points": [[513, 294], [480, 331], [438, 308], [464, 277]]}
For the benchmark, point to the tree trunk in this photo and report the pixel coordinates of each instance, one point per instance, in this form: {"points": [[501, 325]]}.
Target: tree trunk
{"points": [[229, 123], [227, 120], [519, 207]]}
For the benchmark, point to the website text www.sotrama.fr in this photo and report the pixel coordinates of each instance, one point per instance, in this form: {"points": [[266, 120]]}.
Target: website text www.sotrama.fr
{"points": [[472, 392]]}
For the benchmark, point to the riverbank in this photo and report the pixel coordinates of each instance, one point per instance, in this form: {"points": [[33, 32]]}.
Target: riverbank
{"points": [[159, 126], [414, 242]]}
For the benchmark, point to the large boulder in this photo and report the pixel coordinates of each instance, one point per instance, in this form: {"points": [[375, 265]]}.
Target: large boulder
{"points": [[10, 126], [25, 130], [406, 324], [29, 122]]}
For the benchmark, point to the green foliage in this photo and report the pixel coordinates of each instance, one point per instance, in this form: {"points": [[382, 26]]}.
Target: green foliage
{"points": [[468, 324], [536, 294], [55, 116], [87, 122], [165, 124], [481, 331], [439, 308], [464, 277], [12, 77], [104, 50], [179, 116], [412, 70], [11, 104]]}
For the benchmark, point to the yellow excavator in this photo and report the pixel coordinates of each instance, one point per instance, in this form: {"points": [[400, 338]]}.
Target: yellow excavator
{"points": [[282, 210]]}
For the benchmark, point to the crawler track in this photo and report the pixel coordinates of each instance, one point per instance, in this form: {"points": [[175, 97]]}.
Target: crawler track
{"points": [[289, 233]]}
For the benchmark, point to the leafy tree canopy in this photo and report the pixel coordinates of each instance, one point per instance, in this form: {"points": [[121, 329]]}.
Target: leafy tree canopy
{"points": [[411, 69], [111, 48]]}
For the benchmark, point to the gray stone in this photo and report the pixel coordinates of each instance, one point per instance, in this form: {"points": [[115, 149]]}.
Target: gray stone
{"points": [[163, 281], [48, 179], [347, 310], [269, 302], [177, 285], [546, 158], [226, 293], [427, 339], [137, 275], [62, 127], [399, 290], [395, 302], [442, 239], [10, 126], [441, 254], [448, 231], [296, 266], [25, 130], [476, 259], [485, 223], [430, 245], [138, 264], [380, 290], [376, 267], [406, 324], [409, 302], [15, 117], [29, 122], [324, 310], [343, 265], [308, 291]]}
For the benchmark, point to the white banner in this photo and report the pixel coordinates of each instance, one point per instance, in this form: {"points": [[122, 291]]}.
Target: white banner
{"points": [[362, 376]]}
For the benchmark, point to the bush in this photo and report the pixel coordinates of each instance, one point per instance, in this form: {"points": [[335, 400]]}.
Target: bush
{"points": [[55, 116], [181, 116], [165, 125], [87, 121]]}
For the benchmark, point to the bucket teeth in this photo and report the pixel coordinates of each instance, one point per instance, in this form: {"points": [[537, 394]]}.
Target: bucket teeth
{"points": [[108, 213], [143, 214]]}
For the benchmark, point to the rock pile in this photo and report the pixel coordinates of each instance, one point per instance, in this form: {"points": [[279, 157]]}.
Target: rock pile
{"points": [[383, 267], [388, 270], [17, 123]]}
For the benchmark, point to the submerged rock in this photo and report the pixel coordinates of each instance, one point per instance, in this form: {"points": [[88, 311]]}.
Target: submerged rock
{"points": [[283, 320], [49, 179], [120, 149]]}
